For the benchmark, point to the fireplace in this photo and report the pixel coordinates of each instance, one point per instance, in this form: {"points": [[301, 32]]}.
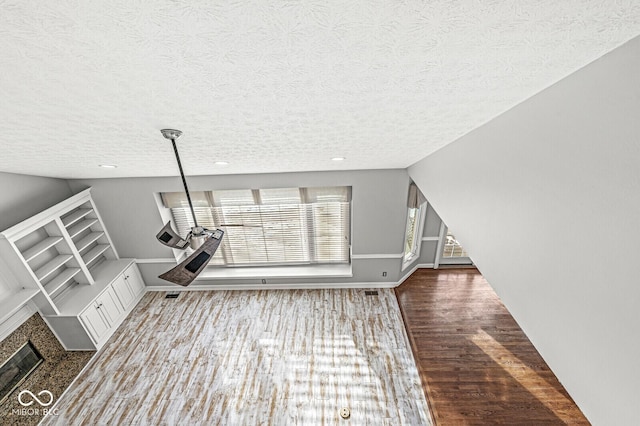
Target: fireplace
{"points": [[17, 368], [20, 352]]}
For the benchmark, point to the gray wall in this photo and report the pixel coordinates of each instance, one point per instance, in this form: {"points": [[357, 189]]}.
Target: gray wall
{"points": [[131, 216], [23, 196], [546, 199]]}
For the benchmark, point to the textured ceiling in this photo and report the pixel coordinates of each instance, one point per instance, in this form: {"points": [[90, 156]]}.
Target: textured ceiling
{"points": [[273, 86]]}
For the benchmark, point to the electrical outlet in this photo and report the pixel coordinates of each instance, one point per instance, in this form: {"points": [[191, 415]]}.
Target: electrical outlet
{"points": [[384, 274], [264, 281]]}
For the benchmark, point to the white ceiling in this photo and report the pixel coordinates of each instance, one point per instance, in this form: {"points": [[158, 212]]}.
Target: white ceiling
{"points": [[275, 86]]}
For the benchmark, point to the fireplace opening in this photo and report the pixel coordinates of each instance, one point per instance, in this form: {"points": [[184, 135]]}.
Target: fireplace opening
{"points": [[17, 368]]}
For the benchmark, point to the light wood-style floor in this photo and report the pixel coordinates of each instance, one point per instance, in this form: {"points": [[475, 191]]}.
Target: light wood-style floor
{"points": [[253, 357], [477, 365]]}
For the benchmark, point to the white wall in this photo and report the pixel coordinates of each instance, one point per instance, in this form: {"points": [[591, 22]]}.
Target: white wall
{"points": [[546, 198]]}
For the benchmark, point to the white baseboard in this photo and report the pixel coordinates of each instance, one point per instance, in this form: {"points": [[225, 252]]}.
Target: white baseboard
{"points": [[308, 286]]}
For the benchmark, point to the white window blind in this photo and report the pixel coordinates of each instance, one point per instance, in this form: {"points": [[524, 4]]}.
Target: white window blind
{"points": [[278, 226]]}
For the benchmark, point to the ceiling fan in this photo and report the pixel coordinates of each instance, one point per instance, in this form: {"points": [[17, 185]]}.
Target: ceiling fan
{"points": [[203, 241]]}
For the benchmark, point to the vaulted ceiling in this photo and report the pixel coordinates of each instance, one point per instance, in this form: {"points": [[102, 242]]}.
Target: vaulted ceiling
{"points": [[276, 86]]}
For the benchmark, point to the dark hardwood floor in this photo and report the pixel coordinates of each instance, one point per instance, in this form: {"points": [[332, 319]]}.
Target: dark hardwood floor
{"points": [[477, 366]]}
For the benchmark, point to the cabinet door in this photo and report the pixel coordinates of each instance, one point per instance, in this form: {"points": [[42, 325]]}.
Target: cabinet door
{"points": [[110, 305], [123, 292], [94, 322], [134, 279]]}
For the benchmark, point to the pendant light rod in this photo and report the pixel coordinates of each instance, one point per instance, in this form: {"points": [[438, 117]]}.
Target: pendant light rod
{"points": [[173, 135]]}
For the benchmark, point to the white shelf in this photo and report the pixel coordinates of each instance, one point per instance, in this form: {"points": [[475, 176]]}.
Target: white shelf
{"points": [[77, 229], [41, 247], [73, 302], [52, 265], [51, 252], [88, 240], [75, 216], [63, 278], [16, 301], [94, 253]]}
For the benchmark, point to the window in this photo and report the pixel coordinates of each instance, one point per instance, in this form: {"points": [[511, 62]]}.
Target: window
{"points": [[412, 236], [452, 248], [416, 203], [271, 226]]}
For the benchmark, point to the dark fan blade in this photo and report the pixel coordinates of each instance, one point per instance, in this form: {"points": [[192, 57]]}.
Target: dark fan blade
{"points": [[188, 270], [168, 237]]}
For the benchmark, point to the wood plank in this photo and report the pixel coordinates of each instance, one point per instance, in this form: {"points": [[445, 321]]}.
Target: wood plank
{"points": [[281, 357], [39, 248], [52, 265], [72, 218], [60, 280], [477, 366], [93, 254], [88, 240], [77, 229]]}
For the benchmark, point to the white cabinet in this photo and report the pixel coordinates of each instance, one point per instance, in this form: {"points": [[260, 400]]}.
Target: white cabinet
{"points": [[125, 295], [95, 323], [93, 313], [129, 286], [102, 315], [64, 260]]}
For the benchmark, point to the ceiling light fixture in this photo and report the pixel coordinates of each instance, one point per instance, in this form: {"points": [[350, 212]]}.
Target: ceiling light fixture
{"points": [[108, 166], [221, 163], [338, 159]]}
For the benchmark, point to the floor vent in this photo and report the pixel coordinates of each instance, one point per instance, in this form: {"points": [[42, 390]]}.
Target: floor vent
{"points": [[370, 293], [172, 295]]}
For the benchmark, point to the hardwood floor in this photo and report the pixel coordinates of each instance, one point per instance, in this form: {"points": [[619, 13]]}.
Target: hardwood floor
{"points": [[278, 357], [477, 366]]}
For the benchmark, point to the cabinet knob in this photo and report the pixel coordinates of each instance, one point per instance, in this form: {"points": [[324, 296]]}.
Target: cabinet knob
{"points": [[126, 276]]}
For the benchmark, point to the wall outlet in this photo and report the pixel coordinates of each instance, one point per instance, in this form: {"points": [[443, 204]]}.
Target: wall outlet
{"points": [[384, 274], [264, 281]]}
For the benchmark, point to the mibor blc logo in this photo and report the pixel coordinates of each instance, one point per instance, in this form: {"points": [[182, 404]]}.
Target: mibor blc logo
{"points": [[35, 398], [26, 398]]}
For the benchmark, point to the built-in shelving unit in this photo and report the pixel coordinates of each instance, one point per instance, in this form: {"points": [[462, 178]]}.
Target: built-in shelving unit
{"points": [[64, 260], [55, 251]]}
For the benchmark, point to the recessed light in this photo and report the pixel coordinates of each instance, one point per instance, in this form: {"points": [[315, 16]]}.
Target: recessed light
{"points": [[108, 166], [221, 163], [338, 159]]}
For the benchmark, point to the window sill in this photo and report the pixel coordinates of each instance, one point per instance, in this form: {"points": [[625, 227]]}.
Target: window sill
{"points": [[456, 261], [258, 272]]}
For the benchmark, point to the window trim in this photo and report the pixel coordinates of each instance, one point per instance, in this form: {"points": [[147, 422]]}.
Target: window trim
{"points": [[420, 220]]}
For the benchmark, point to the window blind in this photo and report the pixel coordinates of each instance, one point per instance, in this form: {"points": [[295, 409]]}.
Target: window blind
{"points": [[271, 226]]}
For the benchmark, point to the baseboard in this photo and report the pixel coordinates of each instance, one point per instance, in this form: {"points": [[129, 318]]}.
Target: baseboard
{"points": [[308, 286], [273, 286], [412, 270]]}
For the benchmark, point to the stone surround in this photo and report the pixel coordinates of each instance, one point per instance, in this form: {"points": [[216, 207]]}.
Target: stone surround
{"points": [[55, 374]]}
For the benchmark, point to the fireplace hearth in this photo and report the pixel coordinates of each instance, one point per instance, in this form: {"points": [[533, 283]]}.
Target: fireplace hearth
{"points": [[55, 371], [17, 368]]}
